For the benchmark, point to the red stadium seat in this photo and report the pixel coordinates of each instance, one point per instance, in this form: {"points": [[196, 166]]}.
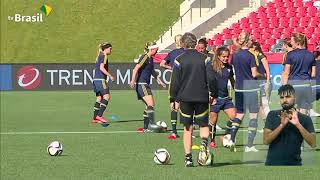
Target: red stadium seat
{"points": [[276, 20], [299, 29], [310, 29], [313, 23], [235, 26], [226, 31], [309, 4], [276, 35], [244, 20]]}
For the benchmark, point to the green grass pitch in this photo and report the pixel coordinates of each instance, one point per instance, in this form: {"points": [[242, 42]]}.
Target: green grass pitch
{"points": [[73, 30], [115, 152]]}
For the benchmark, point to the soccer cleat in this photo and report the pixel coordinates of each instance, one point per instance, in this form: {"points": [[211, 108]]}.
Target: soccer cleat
{"points": [[95, 121], [250, 149], [203, 155], [188, 162], [213, 144], [233, 147], [101, 119]]}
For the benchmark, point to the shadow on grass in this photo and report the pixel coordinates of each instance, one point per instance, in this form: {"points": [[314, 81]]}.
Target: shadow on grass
{"points": [[237, 162], [125, 121]]}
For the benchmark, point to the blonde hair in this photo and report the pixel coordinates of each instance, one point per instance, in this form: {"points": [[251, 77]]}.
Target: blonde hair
{"points": [[177, 40], [146, 49], [300, 39], [243, 38]]}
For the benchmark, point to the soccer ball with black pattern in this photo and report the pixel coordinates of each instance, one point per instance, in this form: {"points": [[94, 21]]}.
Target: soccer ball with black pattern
{"points": [[161, 156], [163, 125], [55, 148]]}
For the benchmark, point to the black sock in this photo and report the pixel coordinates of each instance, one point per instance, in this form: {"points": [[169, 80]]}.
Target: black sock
{"points": [[103, 106], [228, 127], [252, 131], [212, 129], [174, 117], [145, 120], [188, 157], [204, 141], [150, 113], [96, 109], [234, 129]]}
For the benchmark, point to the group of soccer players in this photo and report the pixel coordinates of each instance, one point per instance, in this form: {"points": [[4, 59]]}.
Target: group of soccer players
{"points": [[200, 78]]}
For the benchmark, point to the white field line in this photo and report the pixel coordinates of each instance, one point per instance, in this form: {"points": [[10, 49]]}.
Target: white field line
{"points": [[91, 132]]}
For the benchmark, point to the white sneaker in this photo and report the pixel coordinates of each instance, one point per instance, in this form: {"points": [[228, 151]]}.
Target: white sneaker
{"points": [[314, 113], [250, 149]]}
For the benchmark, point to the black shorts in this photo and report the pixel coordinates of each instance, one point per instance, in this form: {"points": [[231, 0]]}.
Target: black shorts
{"points": [[143, 90], [197, 111], [100, 87], [247, 100]]}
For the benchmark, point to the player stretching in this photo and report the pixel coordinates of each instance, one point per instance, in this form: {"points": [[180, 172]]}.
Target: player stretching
{"points": [[189, 92], [223, 72], [100, 85], [141, 76], [168, 63]]}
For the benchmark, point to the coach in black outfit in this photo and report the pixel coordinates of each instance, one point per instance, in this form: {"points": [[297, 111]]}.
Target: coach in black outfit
{"points": [[189, 91]]}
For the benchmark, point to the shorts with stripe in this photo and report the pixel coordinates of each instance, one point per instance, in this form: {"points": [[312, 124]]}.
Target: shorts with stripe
{"points": [[247, 100], [199, 112], [222, 104], [100, 87], [143, 90]]}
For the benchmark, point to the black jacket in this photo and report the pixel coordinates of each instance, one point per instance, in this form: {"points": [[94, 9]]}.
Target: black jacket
{"points": [[189, 82]]}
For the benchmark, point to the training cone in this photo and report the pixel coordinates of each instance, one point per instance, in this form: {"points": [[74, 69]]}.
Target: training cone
{"points": [[172, 137], [140, 130]]}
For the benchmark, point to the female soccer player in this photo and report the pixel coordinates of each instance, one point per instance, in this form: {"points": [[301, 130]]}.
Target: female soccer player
{"points": [[246, 91], [264, 81], [141, 76], [286, 47], [316, 83], [223, 72], [100, 86], [168, 63], [299, 67]]}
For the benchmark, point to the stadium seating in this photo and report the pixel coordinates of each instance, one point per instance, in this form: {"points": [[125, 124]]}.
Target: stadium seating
{"points": [[276, 20]]}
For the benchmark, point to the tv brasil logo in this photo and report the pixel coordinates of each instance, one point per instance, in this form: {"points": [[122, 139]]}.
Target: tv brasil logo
{"points": [[28, 77], [46, 9]]}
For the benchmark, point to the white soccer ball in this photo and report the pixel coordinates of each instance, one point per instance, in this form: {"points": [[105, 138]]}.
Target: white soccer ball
{"points": [[55, 148], [163, 125], [161, 156], [226, 140]]}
